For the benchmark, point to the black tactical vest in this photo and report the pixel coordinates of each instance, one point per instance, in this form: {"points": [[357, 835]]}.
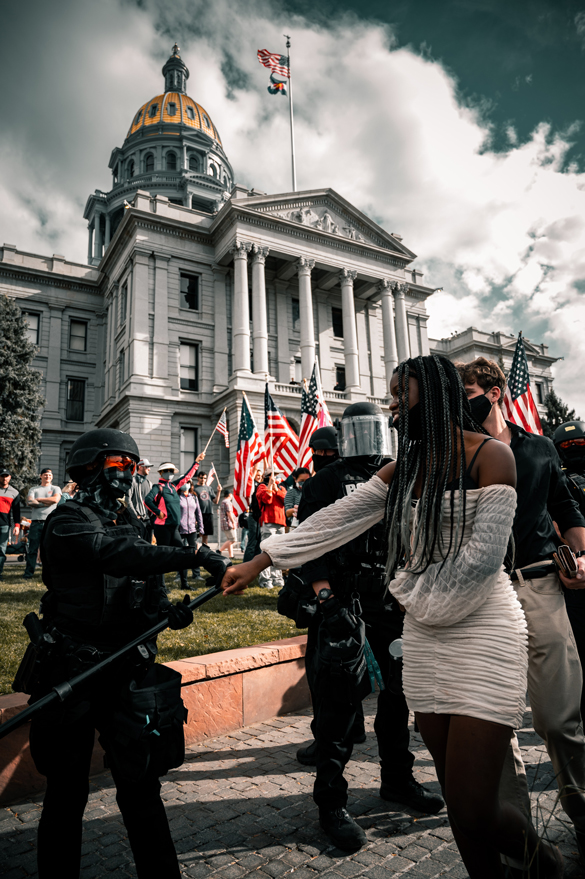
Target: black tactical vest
{"points": [[577, 485]]}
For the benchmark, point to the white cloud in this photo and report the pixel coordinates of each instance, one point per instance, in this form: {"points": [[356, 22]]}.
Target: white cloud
{"points": [[503, 233]]}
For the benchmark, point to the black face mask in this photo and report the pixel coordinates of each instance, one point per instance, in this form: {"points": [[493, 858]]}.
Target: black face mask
{"points": [[321, 461], [480, 407], [574, 458], [117, 482]]}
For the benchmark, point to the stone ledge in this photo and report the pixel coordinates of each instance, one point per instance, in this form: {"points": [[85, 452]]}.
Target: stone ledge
{"points": [[222, 692]]}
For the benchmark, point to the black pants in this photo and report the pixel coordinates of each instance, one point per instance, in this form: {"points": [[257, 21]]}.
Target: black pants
{"points": [[168, 535], [61, 744], [336, 723], [253, 545], [189, 540], [575, 601]]}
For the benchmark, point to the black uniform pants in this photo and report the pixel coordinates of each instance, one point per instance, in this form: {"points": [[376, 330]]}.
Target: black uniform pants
{"points": [[336, 722], [62, 752], [575, 601]]}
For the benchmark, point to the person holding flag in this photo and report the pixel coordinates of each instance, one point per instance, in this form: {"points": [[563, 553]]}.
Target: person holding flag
{"points": [[280, 440], [544, 498], [206, 501], [250, 453]]}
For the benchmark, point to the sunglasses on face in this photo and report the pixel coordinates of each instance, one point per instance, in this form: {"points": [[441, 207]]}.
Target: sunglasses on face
{"points": [[121, 462], [571, 444]]}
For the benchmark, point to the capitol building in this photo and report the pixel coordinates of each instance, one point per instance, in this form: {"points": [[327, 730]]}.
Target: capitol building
{"points": [[197, 289]]}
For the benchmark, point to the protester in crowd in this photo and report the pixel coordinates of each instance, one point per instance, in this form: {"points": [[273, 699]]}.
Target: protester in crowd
{"points": [[190, 525], [43, 500], [68, 492], [293, 496], [206, 501], [163, 501], [270, 495], [228, 523], [554, 671], [9, 513], [253, 544], [465, 638], [141, 486]]}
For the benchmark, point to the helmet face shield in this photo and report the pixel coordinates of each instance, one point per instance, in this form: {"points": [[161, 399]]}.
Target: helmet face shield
{"points": [[365, 435]]}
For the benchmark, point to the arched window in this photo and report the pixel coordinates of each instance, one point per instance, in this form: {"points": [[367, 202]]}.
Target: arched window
{"points": [[171, 162], [130, 168], [213, 171], [225, 183], [149, 163], [193, 162]]}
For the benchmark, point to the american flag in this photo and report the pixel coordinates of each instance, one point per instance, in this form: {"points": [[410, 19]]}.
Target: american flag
{"points": [[222, 427], [309, 419], [277, 62], [211, 475], [250, 452], [280, 440], [519, 406], [325, 419]]}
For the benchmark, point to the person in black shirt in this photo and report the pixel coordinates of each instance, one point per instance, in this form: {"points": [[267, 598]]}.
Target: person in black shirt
{"points": [[554, 669]]}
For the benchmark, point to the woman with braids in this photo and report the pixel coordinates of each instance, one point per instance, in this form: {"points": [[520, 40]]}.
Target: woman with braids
{"points": [[465, 641]]}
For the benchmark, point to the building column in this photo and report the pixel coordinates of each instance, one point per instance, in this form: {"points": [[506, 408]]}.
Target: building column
{"points": [[90, 228], [282, 332], [352, 364], [389, 331], [108, 231], [98, 241], [241, 309], [53, 374], [401, 321], [259, 316], [160, 351], [304, 267], [220, 338], [137, 317]]}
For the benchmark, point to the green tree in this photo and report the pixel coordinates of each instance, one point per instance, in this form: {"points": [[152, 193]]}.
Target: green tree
{"points": [[557, 413], [20, 399]]}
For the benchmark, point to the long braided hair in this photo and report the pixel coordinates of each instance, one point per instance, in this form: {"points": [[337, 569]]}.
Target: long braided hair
{"points": [[444, 415]]}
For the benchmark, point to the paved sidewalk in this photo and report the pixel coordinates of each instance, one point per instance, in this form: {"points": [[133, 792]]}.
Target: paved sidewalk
{"points": [[241, 805]]}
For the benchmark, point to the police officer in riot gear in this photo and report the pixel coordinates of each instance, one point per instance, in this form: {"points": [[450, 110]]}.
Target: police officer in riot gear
{"points": [[354, 577], [323, 444], [569, 440], [105, 586]]}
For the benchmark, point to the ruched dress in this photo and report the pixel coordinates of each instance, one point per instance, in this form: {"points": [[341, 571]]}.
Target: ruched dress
{"points": [[465, 640]]}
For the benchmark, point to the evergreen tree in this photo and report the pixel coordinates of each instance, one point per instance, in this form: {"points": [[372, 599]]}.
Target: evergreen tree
{"points": [[557, 413], [20, 399]]}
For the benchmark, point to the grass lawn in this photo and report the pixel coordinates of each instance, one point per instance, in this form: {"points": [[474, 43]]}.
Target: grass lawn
{"points": [[220, 624]]}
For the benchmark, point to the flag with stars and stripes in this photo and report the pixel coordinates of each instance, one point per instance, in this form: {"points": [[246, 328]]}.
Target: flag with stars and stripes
{"points": [[280, 440], [519, 406], [275, 61], [310, 407], [250, 452], [222, 428]]}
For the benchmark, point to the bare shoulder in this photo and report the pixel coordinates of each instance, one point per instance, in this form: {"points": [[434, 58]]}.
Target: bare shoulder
{"points": [[496, 465], [387, 472]]}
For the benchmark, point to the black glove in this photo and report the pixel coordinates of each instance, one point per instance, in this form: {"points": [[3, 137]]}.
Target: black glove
{"points": [[180, 614], [213, 562]]}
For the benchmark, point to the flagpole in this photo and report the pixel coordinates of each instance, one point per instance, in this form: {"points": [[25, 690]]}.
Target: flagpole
{"points": [[292, 130], [212, 432]]}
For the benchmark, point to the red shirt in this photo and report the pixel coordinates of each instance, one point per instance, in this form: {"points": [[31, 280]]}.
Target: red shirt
{"points": [[271, 505]]}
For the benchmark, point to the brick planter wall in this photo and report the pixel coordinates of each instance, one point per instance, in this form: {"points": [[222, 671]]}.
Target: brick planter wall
{"points": [[222, 692]]}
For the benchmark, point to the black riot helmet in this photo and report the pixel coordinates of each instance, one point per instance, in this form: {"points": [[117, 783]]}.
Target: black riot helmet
{"points": [[569, 440], [364, 431], [96, 443], [324, 438]]}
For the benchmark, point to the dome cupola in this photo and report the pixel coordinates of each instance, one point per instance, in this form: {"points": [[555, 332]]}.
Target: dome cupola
{"points": [[173, 149]]}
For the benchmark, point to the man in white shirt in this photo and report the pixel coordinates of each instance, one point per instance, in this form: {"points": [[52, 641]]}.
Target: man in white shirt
{"points": [[42, 500]]}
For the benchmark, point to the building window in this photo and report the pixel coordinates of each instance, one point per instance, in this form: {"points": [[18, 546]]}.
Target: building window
{"points": [[296, 315], [131, 168], [78, 335], [123, 303], [34, 322], [213, 171], [190, 113], [75, 399], [138, 117], [193, 163], [121, 368], [337, 320], [171, 162], [172, 108], [190, 292], [189, 438], [297, 372], [153, 110], [539, 393], [206, 120], [189, 367], [149, 163], [339, 378]]}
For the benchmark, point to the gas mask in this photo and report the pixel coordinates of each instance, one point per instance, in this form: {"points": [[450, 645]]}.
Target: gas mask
{"points": [[480, 407]]}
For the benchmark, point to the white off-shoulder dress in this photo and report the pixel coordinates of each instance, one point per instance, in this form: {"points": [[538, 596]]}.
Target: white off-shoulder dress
{"points": [[465, 640]]}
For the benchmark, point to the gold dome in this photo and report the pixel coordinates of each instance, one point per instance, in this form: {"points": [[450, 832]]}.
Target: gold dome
{"points": [[176, 109]]}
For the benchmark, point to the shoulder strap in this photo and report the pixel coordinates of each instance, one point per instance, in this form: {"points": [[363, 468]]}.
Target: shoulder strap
{"points": [[477, 451]]}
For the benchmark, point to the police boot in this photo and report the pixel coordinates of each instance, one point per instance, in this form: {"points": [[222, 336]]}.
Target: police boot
{"points": [[412, 794], [341, 829]]}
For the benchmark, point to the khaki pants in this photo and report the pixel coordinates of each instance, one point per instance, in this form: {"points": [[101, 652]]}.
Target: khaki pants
{"points": [[554, 690]]}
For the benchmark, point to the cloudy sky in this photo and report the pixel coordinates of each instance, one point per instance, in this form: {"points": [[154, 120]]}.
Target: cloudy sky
{"points": [[457, 123]]}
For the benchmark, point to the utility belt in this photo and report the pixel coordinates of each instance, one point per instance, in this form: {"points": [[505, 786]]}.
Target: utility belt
{"points": [[536, 571]]}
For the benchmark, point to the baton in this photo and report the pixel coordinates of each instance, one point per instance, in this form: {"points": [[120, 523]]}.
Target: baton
{"points": [[60, 692]]}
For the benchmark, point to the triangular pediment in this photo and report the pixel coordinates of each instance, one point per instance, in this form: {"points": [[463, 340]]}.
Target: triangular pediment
{"points": [[327, 212]]}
